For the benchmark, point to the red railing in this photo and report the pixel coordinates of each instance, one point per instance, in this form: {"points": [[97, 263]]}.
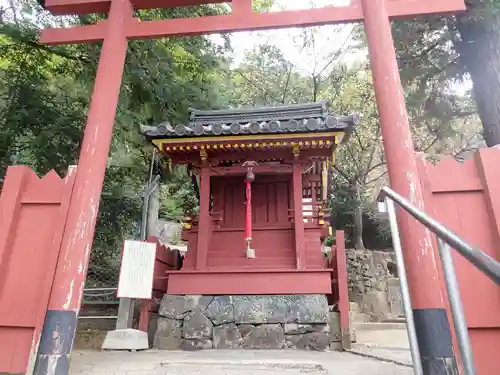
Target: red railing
{"points": [[166, 259], [340, 295]]}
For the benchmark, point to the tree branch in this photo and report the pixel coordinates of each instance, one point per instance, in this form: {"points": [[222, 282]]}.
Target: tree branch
{"points": [[376, 178], [337, 53], [31, 43], [256, 86], [283, 101], [342, 173]]}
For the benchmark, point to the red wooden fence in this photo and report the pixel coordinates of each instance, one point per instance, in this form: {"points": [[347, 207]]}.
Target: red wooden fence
{"points": [[166, 259], [32, 216], [466, 198], [340, 295]]}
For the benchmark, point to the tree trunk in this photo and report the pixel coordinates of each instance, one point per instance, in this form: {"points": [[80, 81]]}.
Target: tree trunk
{"points": [[358, 222], [479, 49]]}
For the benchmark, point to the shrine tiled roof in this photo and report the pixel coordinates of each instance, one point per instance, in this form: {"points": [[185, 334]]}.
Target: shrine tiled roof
{"points": [[296, 118]]}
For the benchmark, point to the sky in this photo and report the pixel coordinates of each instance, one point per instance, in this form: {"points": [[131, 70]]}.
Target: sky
{"points": [[329, 38]]}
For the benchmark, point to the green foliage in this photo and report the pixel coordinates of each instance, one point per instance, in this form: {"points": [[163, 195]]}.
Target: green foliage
{"points": [[179, 196], [436, 54], [44, 97], [265, 78]]}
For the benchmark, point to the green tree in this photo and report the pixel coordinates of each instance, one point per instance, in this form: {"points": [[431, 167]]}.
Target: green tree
{"points": [[44, 96], [436, 53]]}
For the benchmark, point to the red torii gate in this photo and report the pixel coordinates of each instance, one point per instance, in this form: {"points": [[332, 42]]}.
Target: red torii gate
{"points": [[428, 303]]}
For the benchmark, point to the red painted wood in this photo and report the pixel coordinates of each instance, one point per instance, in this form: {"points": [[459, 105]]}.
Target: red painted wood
{"points": [[428, 187], [343, 294], [297, 216], [248, 154], [205, 221], [270, 201], [242, 8], [33, 213], [487, 164], [82, 215], [251, 21], [165, 261], [398, 146], [259, 169], [473, 215], [456, 178], [485, 344], [145, 315], [239, 282], [62, 7], [273, 233], [273, 248], [228, 250], [314, 256]]}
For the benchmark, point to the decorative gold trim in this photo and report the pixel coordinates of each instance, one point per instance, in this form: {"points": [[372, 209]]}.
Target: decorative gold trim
{"points": [[206, 140], [203, 155]]}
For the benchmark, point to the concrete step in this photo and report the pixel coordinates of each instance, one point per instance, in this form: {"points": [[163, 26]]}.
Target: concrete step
{"points": [[360, 318], [378, 326], [230, 362]]}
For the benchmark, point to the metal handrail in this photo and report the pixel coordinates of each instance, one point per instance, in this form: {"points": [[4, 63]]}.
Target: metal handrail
{"points": [[447, 239]]}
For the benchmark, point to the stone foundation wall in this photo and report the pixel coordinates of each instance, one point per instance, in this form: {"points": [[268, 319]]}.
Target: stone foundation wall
{"points": [[246, 322], [373, 284]]}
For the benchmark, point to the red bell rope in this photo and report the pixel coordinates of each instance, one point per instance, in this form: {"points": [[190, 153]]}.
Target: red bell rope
{"points": [[248, 215]]}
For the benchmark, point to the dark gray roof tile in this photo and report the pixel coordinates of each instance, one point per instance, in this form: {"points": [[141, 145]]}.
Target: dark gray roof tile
{"points": [[300, 118]]}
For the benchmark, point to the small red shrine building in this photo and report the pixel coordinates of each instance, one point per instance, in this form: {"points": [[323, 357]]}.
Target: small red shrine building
{"points": [[261, 175]]}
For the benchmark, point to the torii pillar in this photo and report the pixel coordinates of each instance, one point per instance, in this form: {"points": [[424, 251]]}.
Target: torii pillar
{"points": [[428, 303], [432, 326]]}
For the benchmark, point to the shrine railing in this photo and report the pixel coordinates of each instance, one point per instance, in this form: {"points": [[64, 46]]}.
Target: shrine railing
{"points": [[166, 259]]}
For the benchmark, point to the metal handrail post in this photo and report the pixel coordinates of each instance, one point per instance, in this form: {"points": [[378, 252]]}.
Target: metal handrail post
{"points": [[457, 310], [405, 292]]}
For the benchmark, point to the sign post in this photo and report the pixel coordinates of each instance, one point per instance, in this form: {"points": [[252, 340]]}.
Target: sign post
{"points": [[126, 306], [135, 282]]}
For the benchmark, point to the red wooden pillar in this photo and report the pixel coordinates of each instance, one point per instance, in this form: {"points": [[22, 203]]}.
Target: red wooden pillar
{"points": [[343, 289], [64, 305], [204, 221], [433, 329], [298, 216]]}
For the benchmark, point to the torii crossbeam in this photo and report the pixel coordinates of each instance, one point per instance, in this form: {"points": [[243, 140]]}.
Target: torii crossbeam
{"points": [[242, 18], [121, 25]]}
